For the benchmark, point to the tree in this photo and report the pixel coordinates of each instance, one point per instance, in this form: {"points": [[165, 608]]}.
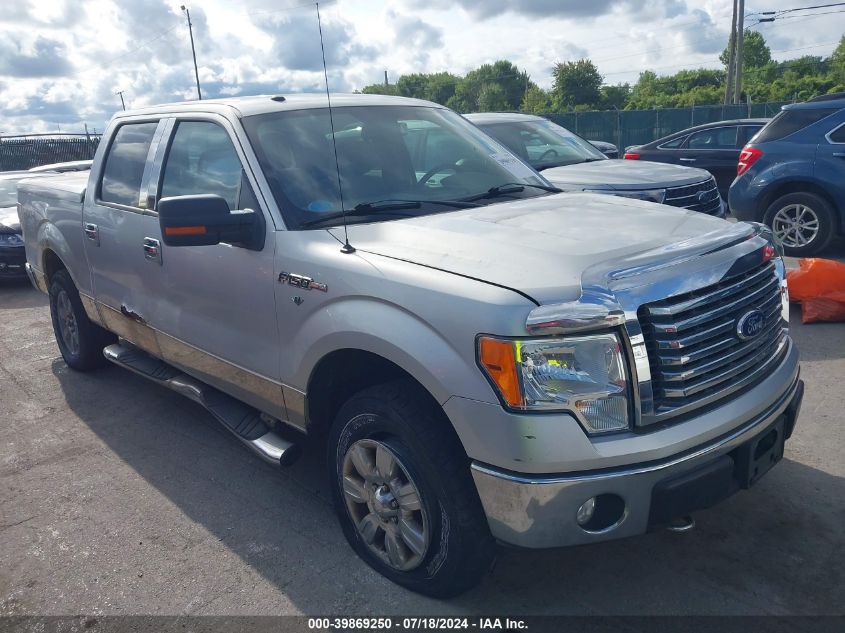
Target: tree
{"points": [[755, 51], [492, 98], [381, 89], [615, 97], [536, 101], [513, 82], [576, 83]]}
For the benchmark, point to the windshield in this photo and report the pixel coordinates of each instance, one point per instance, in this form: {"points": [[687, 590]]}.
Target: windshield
{"points": [[542, 143], [8, 192], [384, 153]]}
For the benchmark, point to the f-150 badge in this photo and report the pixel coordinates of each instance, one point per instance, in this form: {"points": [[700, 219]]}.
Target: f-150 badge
{"points": [[299, 281]]}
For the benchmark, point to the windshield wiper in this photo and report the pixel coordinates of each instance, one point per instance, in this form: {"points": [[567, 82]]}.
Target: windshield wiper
{"points": [[509, 188], [380, 206]]}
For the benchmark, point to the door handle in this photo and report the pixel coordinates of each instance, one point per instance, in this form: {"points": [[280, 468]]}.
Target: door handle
{"points": [[152, 249], [687, 160], [839, 154], [92, 233]]}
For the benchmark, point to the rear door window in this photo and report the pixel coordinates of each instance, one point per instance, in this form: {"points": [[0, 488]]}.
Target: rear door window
{"points": [[125, 162], [790, 121], [203, 160], [838, 135], [715, 138], [675, 143], [746, 133]]}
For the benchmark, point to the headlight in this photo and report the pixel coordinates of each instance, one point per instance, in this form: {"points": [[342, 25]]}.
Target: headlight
{"points": [[10, 239], [651, 195], [585, 375]]}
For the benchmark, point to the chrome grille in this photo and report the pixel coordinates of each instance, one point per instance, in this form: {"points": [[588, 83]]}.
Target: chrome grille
{"points": [[694, 352], [703, 197]]}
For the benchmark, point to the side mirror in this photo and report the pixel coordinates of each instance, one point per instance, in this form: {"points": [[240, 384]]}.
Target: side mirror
{"points": [[205, 219]]}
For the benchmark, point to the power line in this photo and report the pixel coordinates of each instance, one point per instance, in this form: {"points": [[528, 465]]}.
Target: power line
{"points": [[122, 55], [792, 17], [292, 7], [788, 50], [818, 6]]}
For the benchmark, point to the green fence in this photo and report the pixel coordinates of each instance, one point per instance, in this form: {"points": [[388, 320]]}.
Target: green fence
{"points": [[634, 127]]}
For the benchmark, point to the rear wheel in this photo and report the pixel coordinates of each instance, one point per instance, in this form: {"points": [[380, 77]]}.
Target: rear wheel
{"points": [[803, 222], [80, 341], [404, 494]]}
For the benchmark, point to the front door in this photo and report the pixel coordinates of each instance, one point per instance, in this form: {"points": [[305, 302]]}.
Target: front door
{"points": [[715, 150], [214, 306]]}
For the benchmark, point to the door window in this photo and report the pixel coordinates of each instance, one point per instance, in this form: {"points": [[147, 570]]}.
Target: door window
{"points": [[202, 160], [748, 131], [790, 121], [716, 138], [675, 143], [838, 135], [124, 168]]}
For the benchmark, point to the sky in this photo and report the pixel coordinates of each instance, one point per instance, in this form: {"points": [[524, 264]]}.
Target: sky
{"points": [[63, 61]]}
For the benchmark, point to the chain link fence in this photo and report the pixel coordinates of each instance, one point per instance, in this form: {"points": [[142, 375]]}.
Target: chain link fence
{"points": [[34, 150], [635, 127]]}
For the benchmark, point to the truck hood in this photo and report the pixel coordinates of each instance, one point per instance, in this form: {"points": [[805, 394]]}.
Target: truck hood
{"points": [[538, 246], [623, 174], [9, 222]]}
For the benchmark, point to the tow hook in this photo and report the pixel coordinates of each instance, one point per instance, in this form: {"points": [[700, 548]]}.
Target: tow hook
{"points": [[681, 524]]}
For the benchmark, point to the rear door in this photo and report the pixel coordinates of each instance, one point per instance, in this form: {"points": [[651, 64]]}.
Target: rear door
{"points": [[829, 169], [716, 150], [115, 221]]}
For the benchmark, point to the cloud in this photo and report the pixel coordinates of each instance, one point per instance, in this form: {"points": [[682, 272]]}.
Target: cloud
{"points": [[45, 58], [414, 32], [296, 41], [706, 37]]}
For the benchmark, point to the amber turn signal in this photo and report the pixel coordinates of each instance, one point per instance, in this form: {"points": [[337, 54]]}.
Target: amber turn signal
{"points": [[498, 359], [185, 230]]}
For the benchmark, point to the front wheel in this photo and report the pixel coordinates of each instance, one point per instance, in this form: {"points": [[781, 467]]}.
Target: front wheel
{"points": [[803, 222], [403, 492], [80, 341]]}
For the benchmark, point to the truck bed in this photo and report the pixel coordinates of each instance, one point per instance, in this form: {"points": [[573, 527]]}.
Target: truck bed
{"points": [[69, 186], [50, 210]]}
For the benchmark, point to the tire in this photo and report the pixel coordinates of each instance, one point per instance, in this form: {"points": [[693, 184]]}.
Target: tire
{"points": [[80, 341], [816, 218], [451, 547]]}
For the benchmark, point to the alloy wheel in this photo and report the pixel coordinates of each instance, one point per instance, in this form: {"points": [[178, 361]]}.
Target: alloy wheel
{"points": [[796, 225], [68, 326], [384, 504]]}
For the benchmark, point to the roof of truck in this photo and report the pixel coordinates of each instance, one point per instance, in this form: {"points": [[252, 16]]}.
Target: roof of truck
{"points": [[260, 104]]}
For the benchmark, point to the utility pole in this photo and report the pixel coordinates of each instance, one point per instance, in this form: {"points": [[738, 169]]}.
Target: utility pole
{"points": [[122, 103], [193, 50], [385, 79], [740, 36], [729, 87]]}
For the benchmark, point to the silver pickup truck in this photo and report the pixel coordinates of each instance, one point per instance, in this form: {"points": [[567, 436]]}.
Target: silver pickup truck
{"points": [[484, 359]]}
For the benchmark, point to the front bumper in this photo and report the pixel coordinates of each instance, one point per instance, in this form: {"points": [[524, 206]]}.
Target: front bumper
{"points": [[539, 511], [12, 262]]}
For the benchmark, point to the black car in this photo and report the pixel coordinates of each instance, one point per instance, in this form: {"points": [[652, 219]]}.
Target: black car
{"points": [[608, 149], [712, 146], [12, 255]]}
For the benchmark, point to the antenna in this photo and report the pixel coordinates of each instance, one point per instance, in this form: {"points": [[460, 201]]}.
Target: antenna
{"points": [[347, 247]]}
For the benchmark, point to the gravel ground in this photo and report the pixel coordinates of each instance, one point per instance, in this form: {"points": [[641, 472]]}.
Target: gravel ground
{"points": [[119, 497]]}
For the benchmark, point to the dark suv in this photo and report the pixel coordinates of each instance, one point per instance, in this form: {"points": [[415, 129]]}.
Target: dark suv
{"points": [[791, 175]]}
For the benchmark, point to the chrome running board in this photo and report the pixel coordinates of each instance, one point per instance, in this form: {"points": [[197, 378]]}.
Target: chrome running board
{"points": [[245, 422]]}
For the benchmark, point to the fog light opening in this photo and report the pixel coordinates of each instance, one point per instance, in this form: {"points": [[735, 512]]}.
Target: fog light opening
{"points": [[601, 513]]}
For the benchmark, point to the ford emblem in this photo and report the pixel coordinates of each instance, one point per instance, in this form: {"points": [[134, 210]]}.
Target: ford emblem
{"points": [[750, 324]]}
